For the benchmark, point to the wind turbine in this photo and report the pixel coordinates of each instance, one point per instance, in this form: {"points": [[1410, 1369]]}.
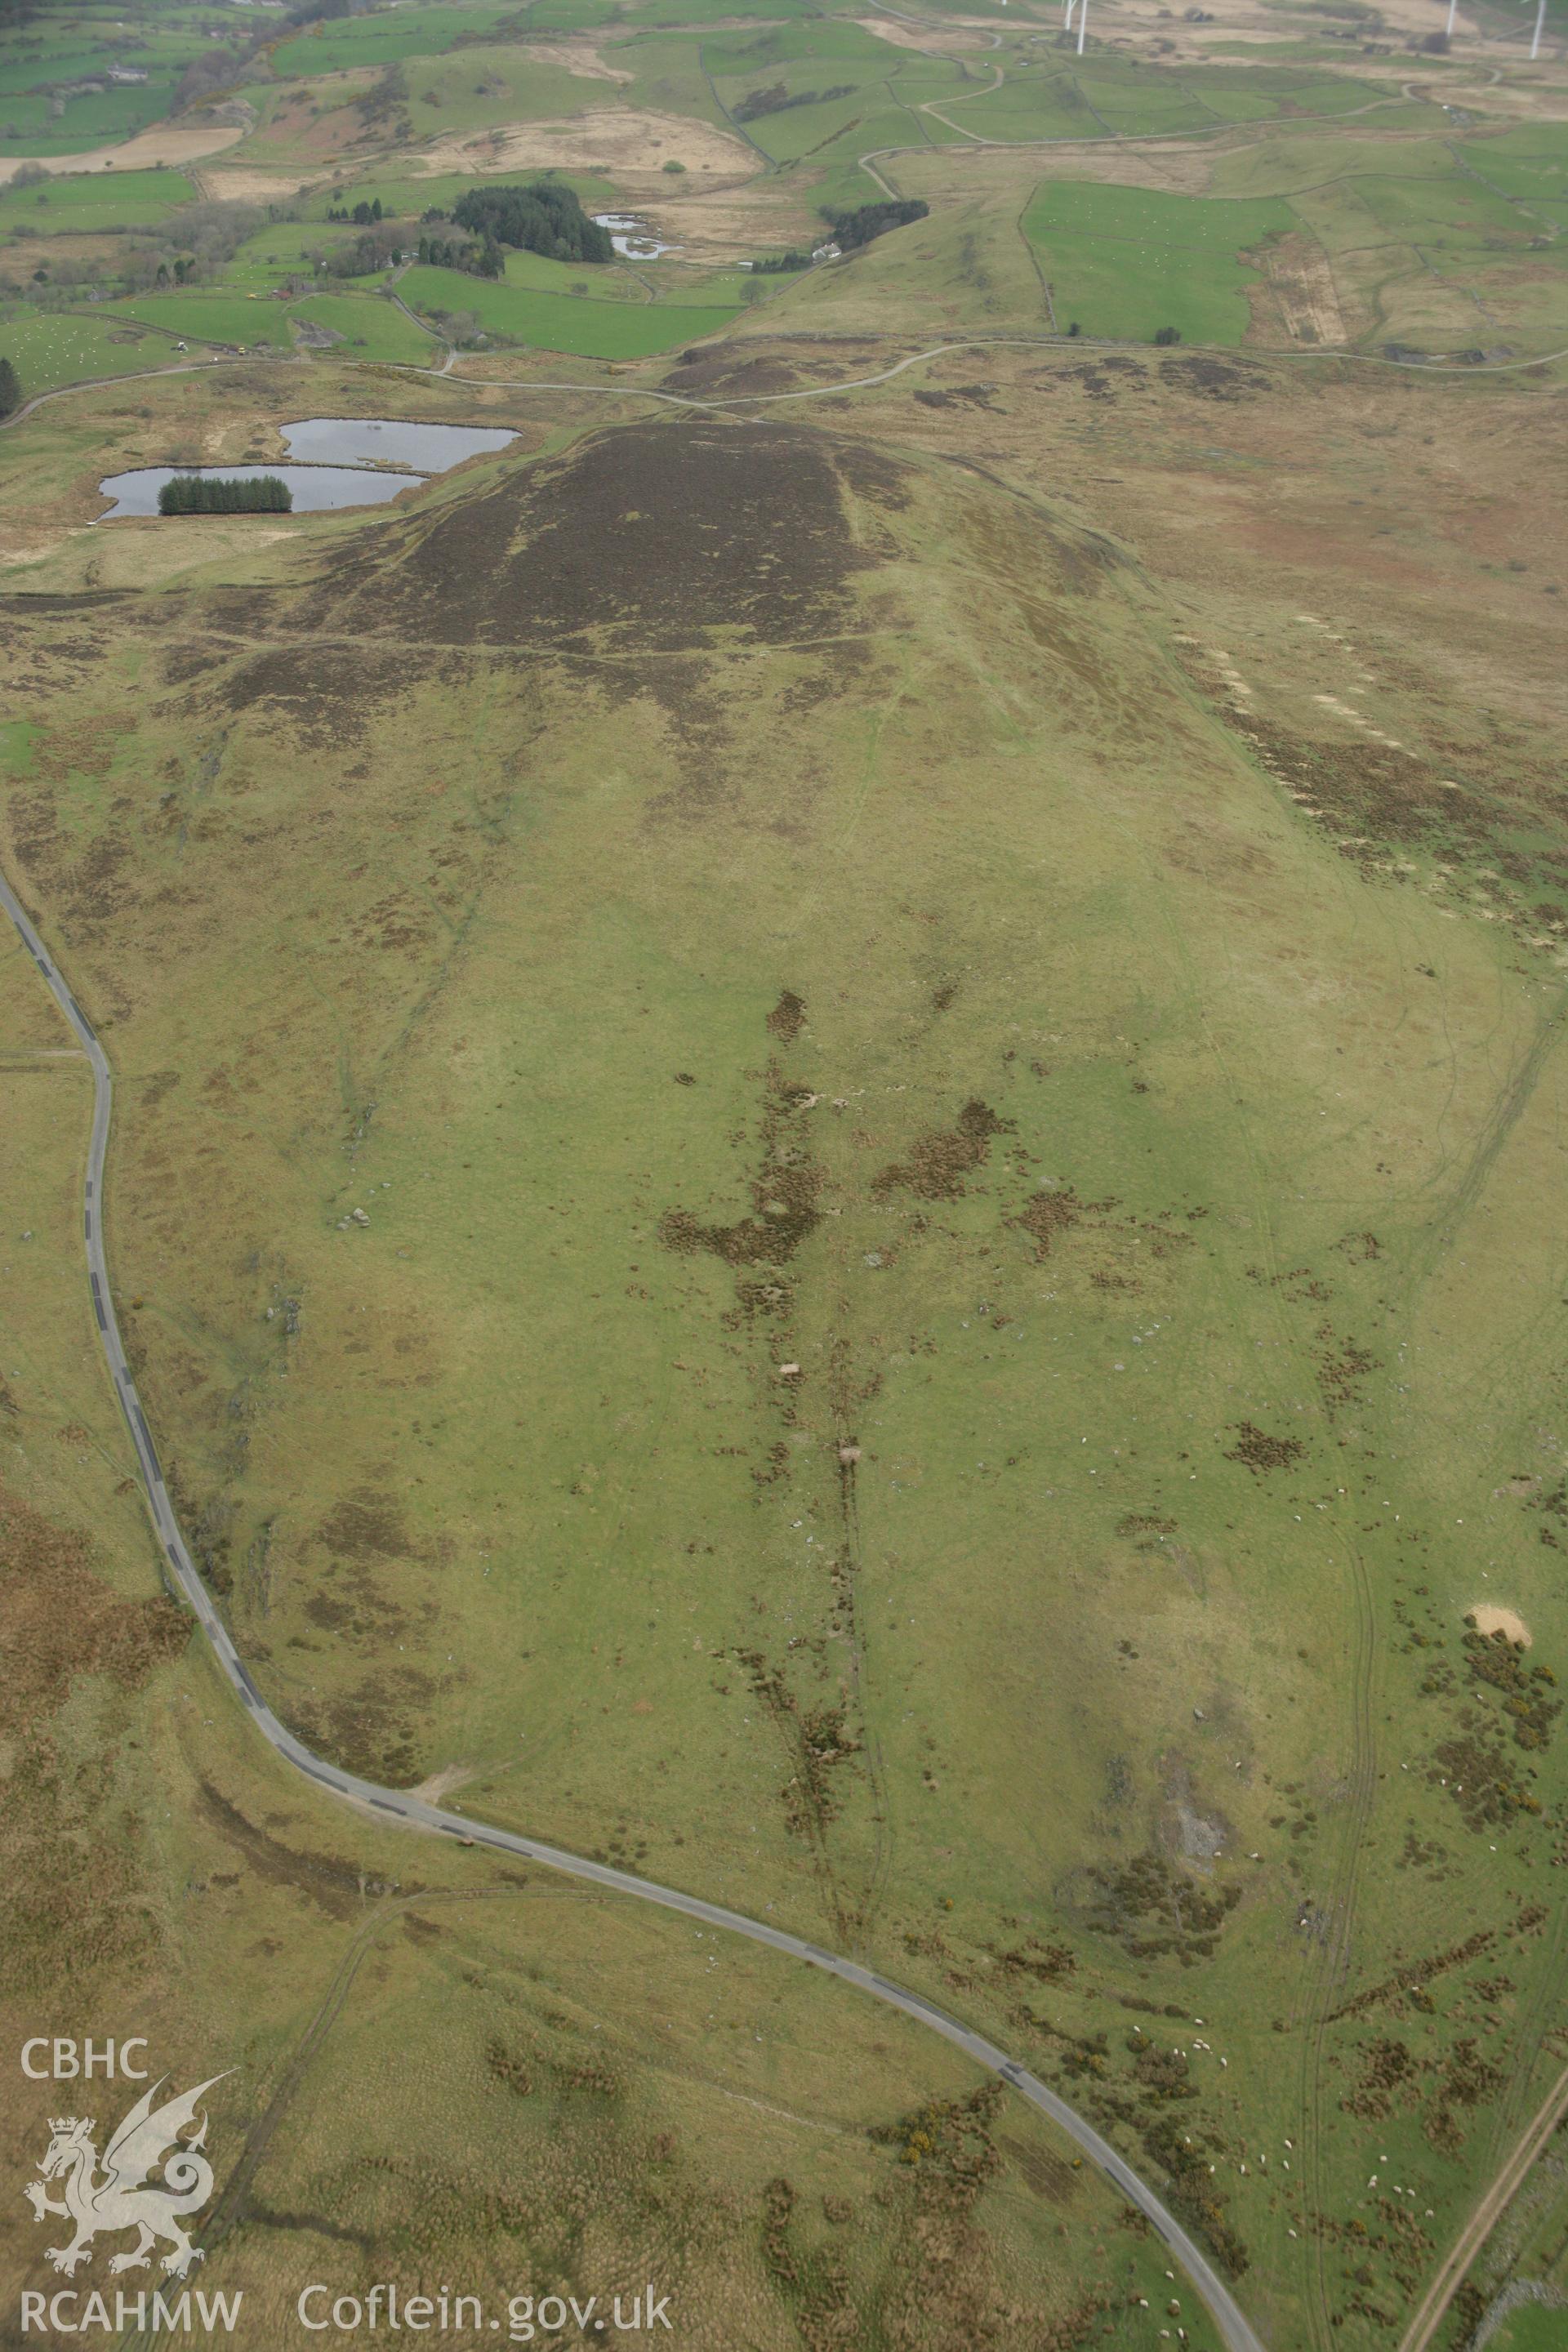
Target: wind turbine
{"points": [[1539, 21], [1453, 6], [1083, 19]]}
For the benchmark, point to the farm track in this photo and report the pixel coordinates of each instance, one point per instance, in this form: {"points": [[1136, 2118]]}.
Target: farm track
{"points": [[1316, 1998], [1058, 344], [1341, 1913], [1512, 1101], [1435, 2305]]}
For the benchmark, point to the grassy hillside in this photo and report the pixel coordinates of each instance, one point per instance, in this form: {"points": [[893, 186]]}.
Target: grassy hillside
{"points": [[838, 1154], [616, 328], [241, 1925], [926, 1343]]}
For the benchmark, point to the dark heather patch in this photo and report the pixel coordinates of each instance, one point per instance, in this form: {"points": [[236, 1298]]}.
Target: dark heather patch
{"points": [[1215, 378], [180, 664], [649, 537], [967, 395], [375, 1729], [940, 1159], [722, 372], [322, 688]]}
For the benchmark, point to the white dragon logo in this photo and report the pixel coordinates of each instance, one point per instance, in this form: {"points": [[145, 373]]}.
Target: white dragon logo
{"points": [[123, 2199]]}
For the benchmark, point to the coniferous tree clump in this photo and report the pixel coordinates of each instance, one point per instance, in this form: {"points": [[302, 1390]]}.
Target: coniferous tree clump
{"points": [[198, 494], [853, 229], [539, 217]]}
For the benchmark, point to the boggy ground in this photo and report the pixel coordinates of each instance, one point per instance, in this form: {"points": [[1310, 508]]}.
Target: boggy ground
{"points": [[958, 1205]]}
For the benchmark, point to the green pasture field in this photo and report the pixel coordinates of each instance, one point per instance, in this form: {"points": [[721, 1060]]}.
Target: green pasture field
{"points": [[278, 251], [1289, 159], [28, 126], [217, 318], [562, 323], [700, 288], [371, 328], [388, 37], [537, 273], [1031, 104], [474, 87], [815, 134], [882, 90], [961, 1217], [1457, 211], [1237, 100], [48, 349], [85, 201], [1147, 217], [1530, 165], [759, 55], [668, 66], [1532, 2328], [1418, 230], [1133, 106], [45, 50], [1124, 262], [1129, 293], [832, 173], [1413, 253]]}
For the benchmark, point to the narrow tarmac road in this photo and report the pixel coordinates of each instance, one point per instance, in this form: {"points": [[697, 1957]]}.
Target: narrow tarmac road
{"points": [[1237, 2332]]}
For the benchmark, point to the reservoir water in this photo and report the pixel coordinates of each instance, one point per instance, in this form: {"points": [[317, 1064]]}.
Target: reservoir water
{"points": [[314, 486], [384, 441]]}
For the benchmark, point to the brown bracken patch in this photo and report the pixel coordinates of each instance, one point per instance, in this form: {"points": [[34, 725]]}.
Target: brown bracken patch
{"points": [[1260, 1452], [1046, 1216], [58, 1621], [787, 1018], [940, 1159], [784, 1193]]}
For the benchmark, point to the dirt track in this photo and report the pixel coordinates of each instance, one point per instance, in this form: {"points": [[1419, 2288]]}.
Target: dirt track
{"points": [[1441, 2292]]}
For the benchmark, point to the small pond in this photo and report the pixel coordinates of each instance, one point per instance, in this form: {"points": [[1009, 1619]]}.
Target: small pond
{"points": [[314, 486], [384, 441], [632, 238]]}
